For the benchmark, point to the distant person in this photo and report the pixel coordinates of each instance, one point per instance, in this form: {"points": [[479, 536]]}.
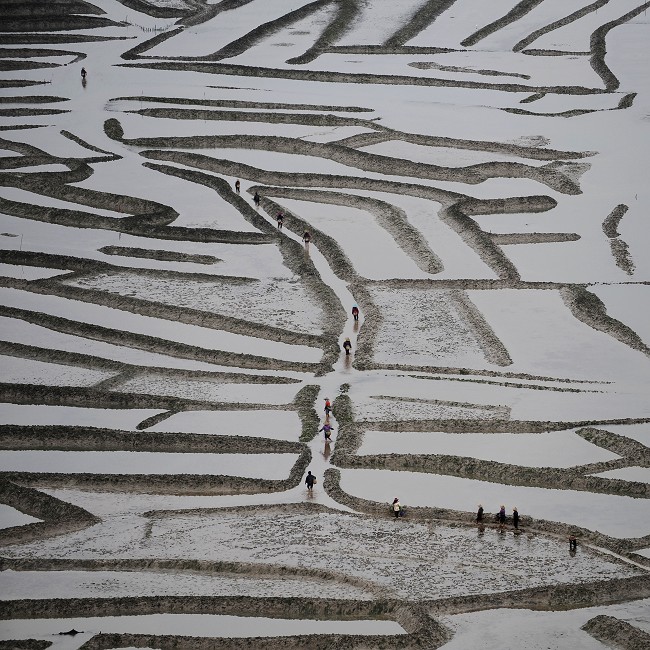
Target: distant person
{"points": [[256, 199], [83, 74], [397, 507], [306, 237], [347, 346], [515, 517], [479, 514], [327, 429], [573, 544], [355, 312], [328, 407], [502, 515], [310, 480], [237, 186], [280, 220]]}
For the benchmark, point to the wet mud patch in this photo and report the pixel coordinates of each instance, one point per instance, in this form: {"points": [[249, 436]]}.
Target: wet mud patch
{"points": [[249, 298], [406, 335]]}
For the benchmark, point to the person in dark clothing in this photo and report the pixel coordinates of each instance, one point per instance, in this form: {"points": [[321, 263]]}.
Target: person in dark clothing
{"points": [[237, 186], [310, 480], [83, 73], [256, 199], [479, 514], [502, 515], [355, 312], [515, 517], [280, 220], [347, 346], [306, 237], [573, 543]]}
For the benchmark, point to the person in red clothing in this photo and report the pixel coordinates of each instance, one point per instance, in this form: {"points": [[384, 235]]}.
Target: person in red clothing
{"points": [[355, 312]]}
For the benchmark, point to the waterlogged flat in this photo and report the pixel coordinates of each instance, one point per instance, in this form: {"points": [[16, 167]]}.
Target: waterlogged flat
{"points": [[267, 466], [10, 517]]}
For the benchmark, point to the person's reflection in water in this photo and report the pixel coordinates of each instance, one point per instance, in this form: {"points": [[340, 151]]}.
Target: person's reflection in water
{"points": [[327, 450]]}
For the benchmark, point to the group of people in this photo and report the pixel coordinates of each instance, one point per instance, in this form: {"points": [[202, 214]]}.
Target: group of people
{"points": [[500, 516]]}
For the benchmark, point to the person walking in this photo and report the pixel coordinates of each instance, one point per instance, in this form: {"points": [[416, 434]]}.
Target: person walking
{"points": [[310, 480], [306, 237], [355, 313], [280, 220], [515, 517], [502, 515], [479, 514], [256, 199], [83, 74], [347, 346], [328, 407], [327, 429], [237, 186], [397, 507]]}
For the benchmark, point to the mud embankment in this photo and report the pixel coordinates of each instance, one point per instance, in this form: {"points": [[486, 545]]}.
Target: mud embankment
{"points": [[58, 516], [616, 633]]}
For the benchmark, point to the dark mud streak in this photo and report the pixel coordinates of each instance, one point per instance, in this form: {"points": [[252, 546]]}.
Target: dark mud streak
{"points": [[494, 350], [636, 452], [576, 15], [263, 31], [590, 310], [346, 12], [616, 633], [304, 405], [502, 239], [324, 76], [517, 12], [239, 116], [430, 65], [141, 48], [502, 473], [387, 216], [185, 484], [419, 21], [159, 255], [613, 219], [598, 47], [58, 516], [25, 644], [90, 397], [236, 103], [80, 438], [621, 255], [549, 175]]}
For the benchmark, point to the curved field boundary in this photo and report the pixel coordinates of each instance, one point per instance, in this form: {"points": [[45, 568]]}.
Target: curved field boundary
{"points": [[531, 525], [75, 438], [572, 17], [186, 484], [265, 30], [616, 633], [599, 48], [590, 310], [548, 175], [237, 103], [421, 629], [325, 76], [58, 516], [517, 12], [389, 217], [420, 20]]}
